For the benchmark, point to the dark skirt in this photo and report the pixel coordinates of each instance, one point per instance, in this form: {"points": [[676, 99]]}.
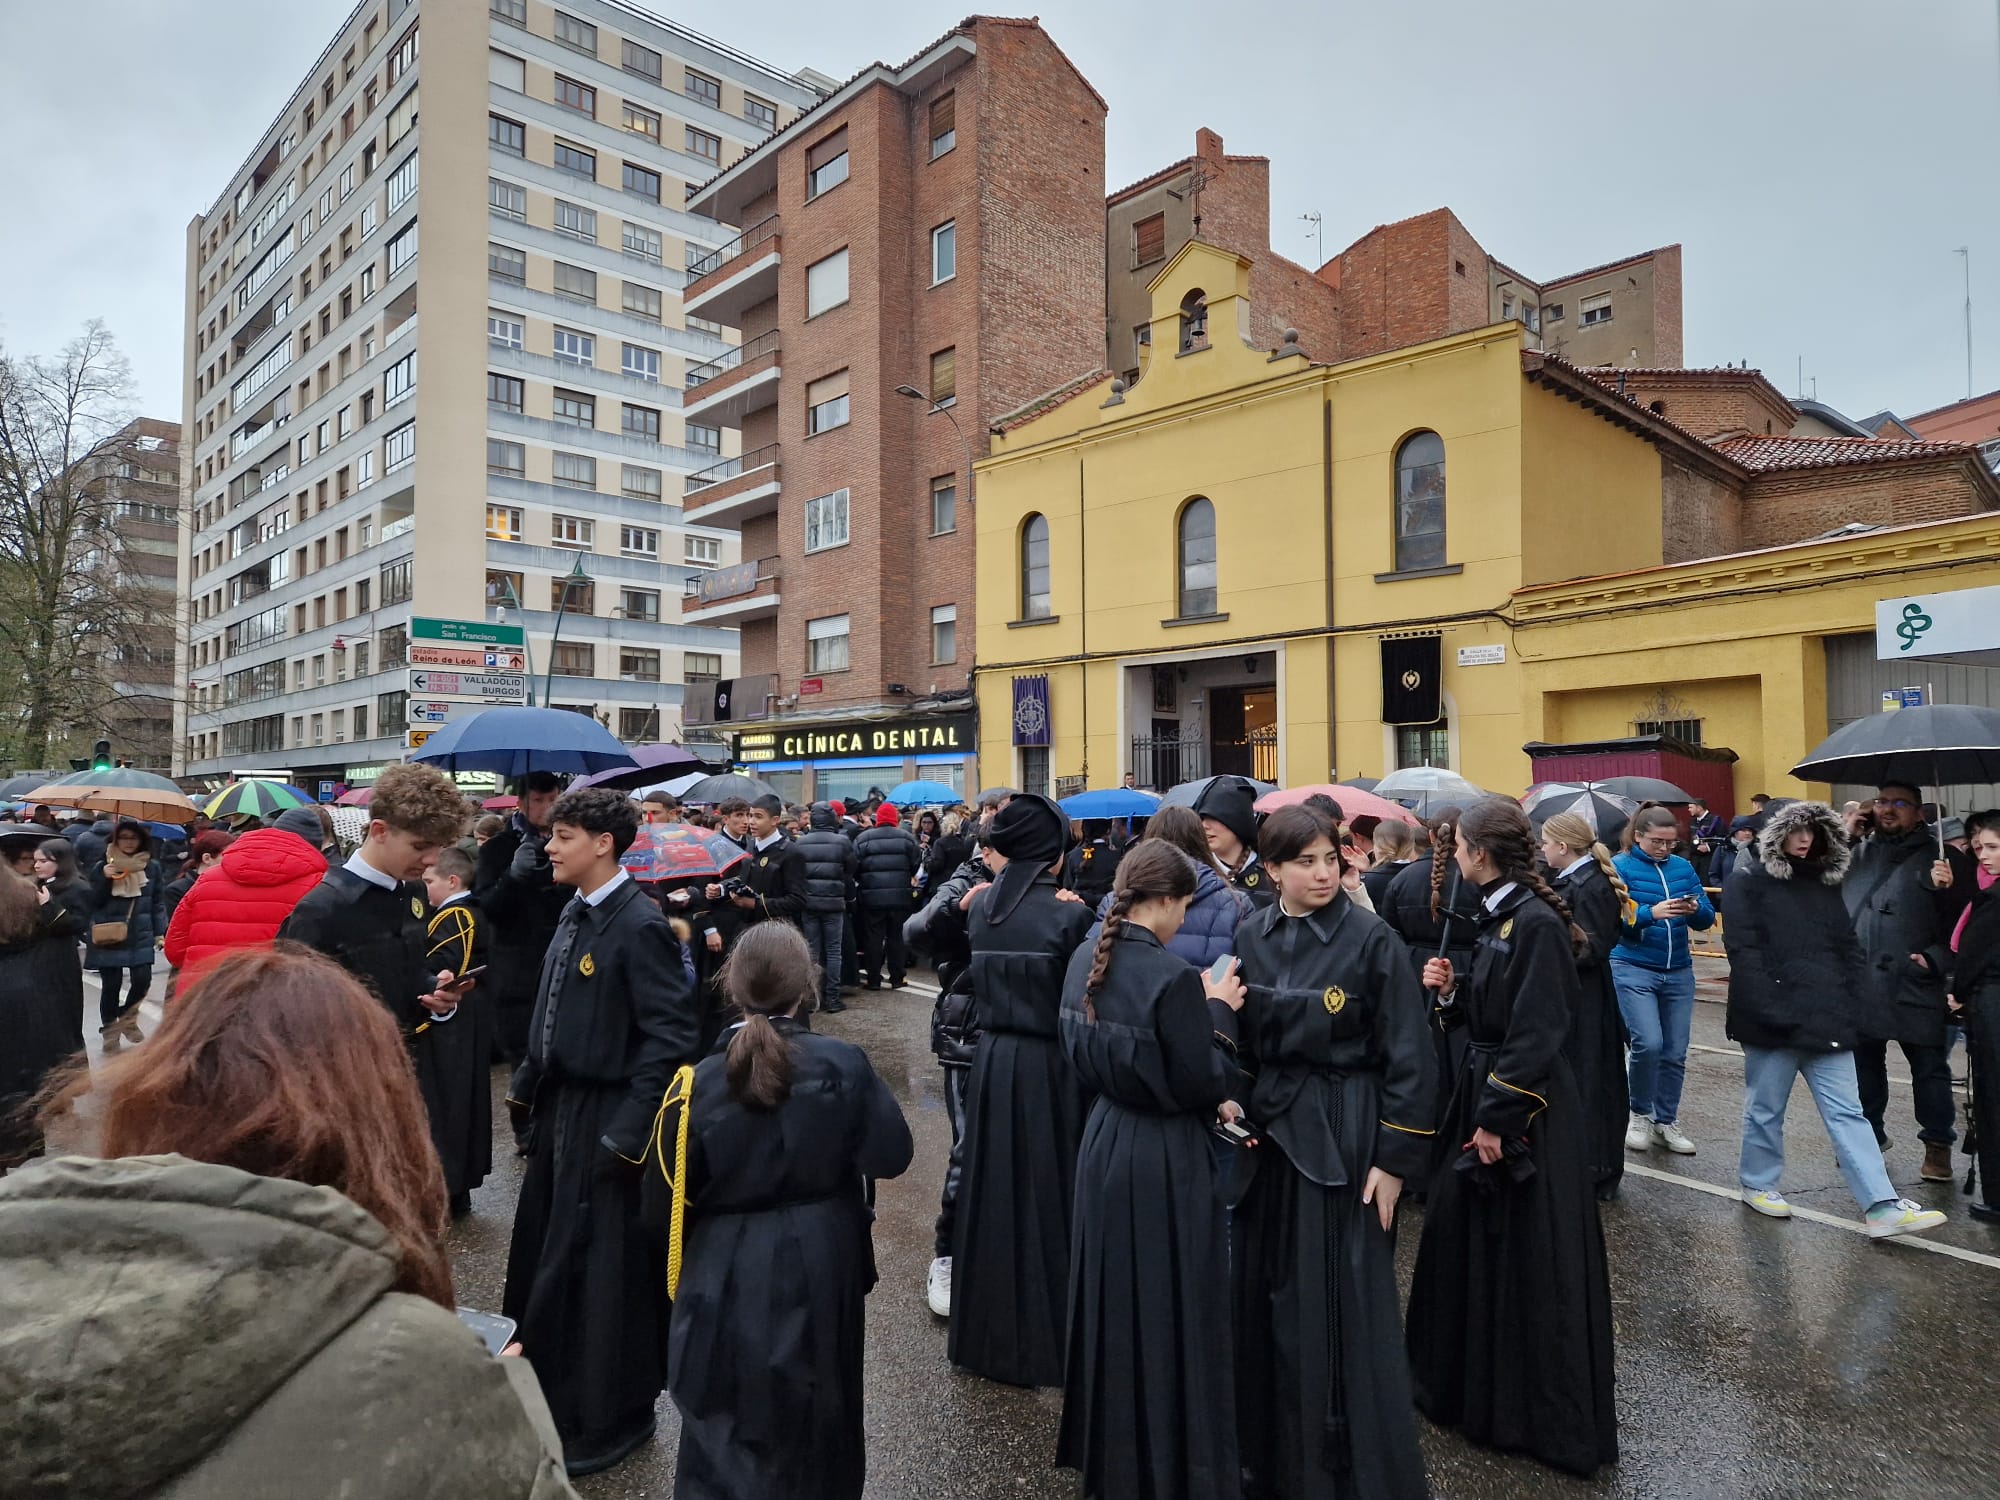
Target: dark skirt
{"points": [[1982, 1052], [41, 1028], [457, 1084], [1595, 1048], [1147, 1393]]}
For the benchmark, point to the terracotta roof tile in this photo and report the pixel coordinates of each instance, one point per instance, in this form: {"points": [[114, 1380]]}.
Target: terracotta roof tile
{"points": [[1764, 454], [1048, 401]]}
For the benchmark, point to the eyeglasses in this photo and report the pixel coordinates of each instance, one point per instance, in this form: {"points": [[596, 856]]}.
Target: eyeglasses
{"points": [[1657, 840], [1902, 802]]}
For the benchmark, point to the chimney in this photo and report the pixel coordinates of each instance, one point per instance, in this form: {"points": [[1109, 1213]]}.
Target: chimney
{"points": [[1208, 146]]}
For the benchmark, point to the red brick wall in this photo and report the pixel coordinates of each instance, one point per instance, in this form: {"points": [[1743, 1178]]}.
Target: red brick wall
{"points": [[1795, 506], [1667, 306], [1399, 285], [1700, 515], [1726, 404]]}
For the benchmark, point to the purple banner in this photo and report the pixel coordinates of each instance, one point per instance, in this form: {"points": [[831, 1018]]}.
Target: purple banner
{"points": [[1031, 711]]}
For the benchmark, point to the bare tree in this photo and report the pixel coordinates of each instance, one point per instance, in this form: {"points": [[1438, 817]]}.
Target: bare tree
{"points": [[66, 601]]}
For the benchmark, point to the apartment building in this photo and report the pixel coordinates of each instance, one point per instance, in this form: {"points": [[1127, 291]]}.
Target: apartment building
{"points": [[140, 475], [920, 252], [435, 354]]}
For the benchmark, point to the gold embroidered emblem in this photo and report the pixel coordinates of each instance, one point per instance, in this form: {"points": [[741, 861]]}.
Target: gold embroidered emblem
{"points": [[1335, 999], [588, 967], [416, 906], [1251, 878], [1506, 929], [762, 860]]}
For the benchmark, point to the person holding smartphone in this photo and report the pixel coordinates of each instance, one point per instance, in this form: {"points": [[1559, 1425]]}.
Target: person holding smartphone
{"points": [[1653, 967]]}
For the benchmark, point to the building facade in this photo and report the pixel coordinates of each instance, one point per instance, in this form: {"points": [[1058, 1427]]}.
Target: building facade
{"points": [[141, 481], [919, 252], [434, 365]]}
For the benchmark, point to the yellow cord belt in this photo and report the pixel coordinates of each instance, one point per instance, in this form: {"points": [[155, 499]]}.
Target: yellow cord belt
{"points": [[679, 1092]]}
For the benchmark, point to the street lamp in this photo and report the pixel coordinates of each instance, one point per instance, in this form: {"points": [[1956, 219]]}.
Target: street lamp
{"points": [[574, 578], [512, 600], [936, 407]]}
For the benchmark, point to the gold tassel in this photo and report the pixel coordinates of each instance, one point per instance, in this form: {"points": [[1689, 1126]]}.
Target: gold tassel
{"points": [[679, 1092]]}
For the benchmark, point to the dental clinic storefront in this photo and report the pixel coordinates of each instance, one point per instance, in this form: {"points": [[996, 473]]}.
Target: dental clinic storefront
{"points": [[846, 759]]}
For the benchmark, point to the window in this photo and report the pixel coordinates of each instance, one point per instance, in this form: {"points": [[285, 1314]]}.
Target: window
{"points": [[399, 381], [402, 183], [576, 159], [503, 524], [826, 521], [574, 660], [703, 438], [702, 551], [641, 60], [641, 363], [579, 532], [1553, 313], [1035, 568], [1594, 310], [1687, 731], [944, 252], [575, 408], [826, 163], [826, 644], [643, 122], [638, 664], [580, 35], [370, 220], [1423, 744], [760, 113], [396, 582], [944, 124], [639, 541], [944, 633], [399, 448], [642, 242], [364, 470], [507, 263], [513, 11], [944, 377], [576, 221], [826, 283], [575, 348], [1420, 502], [509, 460], [510, 136], [367, 281], [641, 183], [580, 97], [637, 483], [1149, 240], [701, 86], [503, 329], [826, 403], [504, 393], [641, 301], [1194, 321], [701, 666], [639, 604], [403, 248], [944, 504], [640, 422], [575, 471], [1196, 530], [346, 181], [701, 143], [638, 726], [578, 283]]}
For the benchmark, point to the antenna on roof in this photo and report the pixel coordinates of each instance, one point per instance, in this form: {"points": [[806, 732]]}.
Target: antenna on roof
{"points": [[1319, 244], [1964, 253]]}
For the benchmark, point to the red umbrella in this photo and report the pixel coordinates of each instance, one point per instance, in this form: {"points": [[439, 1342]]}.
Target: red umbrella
{"points": [[680, 851], [361, 796], [1354, 803], [501, 804]]}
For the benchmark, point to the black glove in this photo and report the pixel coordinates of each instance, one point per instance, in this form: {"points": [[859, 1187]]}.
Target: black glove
{"points": [[531, 861]]}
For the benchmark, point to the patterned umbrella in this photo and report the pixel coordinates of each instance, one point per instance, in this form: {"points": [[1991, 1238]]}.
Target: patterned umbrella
{"points": [[676, 851], [255, 798], [1606, 812]]}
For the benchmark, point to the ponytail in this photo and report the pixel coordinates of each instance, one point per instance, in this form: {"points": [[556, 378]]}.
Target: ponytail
{"points": [[770, 973], [759, 1065]]}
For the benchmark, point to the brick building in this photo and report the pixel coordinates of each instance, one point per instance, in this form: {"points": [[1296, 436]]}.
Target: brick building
{"points": [[140, 472], [921, 252]]}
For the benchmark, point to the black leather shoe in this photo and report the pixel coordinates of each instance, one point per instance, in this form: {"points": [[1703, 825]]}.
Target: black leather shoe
{"points": [[832, 1007], [1985, 1213]]}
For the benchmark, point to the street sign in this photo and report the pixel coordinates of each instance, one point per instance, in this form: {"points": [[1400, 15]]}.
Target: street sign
{"points": [[414, 739], [431, 713], [478, 687], [468, 633], [447, 656]]}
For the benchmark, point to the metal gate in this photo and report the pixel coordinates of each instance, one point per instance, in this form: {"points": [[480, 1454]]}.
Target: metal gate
{"points": [[1856, 681], [1161, 761]]}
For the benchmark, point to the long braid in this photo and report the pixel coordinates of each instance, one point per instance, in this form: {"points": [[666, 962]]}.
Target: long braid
{"points": [[1151, 868], [1503, 831], [1444, 844], [1603, 857], [1528, 875], [1100, 961]]}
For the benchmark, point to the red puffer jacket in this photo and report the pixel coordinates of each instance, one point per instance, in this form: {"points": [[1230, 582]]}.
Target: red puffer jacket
{"points": [[243, 901]]}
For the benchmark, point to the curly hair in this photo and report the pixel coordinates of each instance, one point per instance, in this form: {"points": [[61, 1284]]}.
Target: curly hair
{"points": [[598, 809], [418, 800], [1499, 829], [1151, 869]]}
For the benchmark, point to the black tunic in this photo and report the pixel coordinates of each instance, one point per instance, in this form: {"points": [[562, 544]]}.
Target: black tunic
{"points": [[767, 1334], [1147, 1392], [524, 903], [1510, 1308], [462, 1049], [1595, 1045], [1976, 985], [41, 1010], [1334, 1032], [587, 1284], [1024, 1109]]}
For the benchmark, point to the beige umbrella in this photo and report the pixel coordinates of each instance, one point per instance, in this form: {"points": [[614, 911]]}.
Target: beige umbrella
{"points": [[148, 804]]}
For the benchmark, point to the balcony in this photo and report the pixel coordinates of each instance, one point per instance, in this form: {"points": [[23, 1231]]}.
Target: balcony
{"points": [[726, 390], [735, 490], [726, 283], [732, 596]]}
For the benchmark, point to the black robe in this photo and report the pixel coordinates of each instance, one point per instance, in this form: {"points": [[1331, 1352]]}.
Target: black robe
{"points": [[586, 1282], [1975, 983], [1510, 1308], [1595, 1045], [1147, 1392], [525, 906], [1406, 907], [1334, 1032], [778, 1258], [41, 1011], [1024, 1109], [462, 1050]]}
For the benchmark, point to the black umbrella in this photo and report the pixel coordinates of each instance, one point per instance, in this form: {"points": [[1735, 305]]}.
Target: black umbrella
{"points": [[1363, 783], [710, 790], [1643, 789], [657, 763], [1607, 816], [16, 787], [1189, 792], [1936, 745]]}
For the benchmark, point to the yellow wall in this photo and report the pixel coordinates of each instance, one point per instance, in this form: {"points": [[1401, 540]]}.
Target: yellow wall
{"points": [[1590, 492]]}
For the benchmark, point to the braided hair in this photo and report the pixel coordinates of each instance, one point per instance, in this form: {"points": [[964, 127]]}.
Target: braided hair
{"points": [[1572, 832], [1444, 844], [1151, 869], [1501, 830]]}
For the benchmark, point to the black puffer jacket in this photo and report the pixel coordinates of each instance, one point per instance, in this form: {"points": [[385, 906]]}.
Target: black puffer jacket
{"points": [[829, 860], [1898, 912], [890, 860], [1796, 974]]}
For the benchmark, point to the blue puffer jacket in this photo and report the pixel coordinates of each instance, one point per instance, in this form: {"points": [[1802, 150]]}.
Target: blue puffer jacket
{"points": [[1210, 928], [1653, 942]]}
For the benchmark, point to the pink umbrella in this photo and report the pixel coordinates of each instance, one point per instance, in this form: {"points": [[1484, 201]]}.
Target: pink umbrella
{"points": [[1354, 803], [359, 797], [501, 804]]}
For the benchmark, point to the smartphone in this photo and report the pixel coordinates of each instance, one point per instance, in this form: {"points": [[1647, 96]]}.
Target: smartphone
{"points": [[1236, 1132], [494, 1331], [1220, 969]]}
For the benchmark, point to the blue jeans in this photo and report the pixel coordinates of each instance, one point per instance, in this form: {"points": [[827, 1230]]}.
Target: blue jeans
{"points": [[824, 931], [1658, 1006], [1767, 1088]]}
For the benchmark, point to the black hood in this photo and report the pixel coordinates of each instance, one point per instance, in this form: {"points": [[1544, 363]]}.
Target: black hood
{"points": [[820, 818]]}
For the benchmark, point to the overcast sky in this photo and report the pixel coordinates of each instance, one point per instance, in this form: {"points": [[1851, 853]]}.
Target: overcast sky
{"points": [[1820, 160]]}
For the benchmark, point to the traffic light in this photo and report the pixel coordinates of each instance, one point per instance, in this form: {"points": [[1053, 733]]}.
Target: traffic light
{"points": [[100, 756]]}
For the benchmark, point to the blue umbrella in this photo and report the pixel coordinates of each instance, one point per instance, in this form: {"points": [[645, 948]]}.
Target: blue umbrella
{"points": [[515, 741], [922, 794], [1111, 802]]}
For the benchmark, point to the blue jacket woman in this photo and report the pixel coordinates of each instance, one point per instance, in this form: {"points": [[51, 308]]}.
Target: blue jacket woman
{"points": [[1661, 941], [1209, 930]]}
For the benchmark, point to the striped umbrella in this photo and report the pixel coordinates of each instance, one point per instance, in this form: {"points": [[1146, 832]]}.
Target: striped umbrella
{"points": [[255, 798]]}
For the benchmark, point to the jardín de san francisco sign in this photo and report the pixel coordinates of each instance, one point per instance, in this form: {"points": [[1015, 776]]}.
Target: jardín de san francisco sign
{"points": [[946, 734]]}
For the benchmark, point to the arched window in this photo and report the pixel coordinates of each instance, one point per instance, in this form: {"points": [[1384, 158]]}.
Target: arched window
{"points": [[1197, 558], [1420, 502], [1035, 568], [1194, 320]]}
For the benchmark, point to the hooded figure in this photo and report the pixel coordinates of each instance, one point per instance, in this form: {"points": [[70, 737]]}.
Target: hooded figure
{"points": [[829, 860], [1024, 1112], [1231, 801], [888, 860]]}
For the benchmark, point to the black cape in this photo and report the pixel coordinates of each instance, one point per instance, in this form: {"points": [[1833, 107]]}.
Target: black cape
{"points": [[1335, 1035], [767, 1334], [41, 1011], [1510, 1307], [1024, 1109], [525, 907], [1595, 1045], [1148, 1386], [586, 1282], [461, 939]]}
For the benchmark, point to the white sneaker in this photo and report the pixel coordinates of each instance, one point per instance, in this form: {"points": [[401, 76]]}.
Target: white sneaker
{"points": [[1670, 1136], [1886, 1220], [1771, 1204], [937, 1286], [1639, 1134]]}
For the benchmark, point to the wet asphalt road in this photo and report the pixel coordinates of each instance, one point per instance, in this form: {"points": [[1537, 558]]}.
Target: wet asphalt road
{"points": [[1755, 1357]]}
